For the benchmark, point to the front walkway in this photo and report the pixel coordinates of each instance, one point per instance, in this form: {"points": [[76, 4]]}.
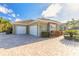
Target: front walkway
{"points": [[29, 45]]}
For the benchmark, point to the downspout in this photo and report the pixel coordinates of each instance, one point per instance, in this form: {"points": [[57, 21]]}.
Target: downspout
{"points": [[37, 29], [27, 29], [56, 27]]}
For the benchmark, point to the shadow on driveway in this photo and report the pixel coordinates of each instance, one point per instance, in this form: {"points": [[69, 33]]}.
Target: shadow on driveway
{"points": [[10, 41], [69, 43]]}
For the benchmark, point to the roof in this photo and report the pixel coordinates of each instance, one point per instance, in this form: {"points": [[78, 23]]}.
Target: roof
{"points": [[54, 20], [43, 20], [26, 22]]}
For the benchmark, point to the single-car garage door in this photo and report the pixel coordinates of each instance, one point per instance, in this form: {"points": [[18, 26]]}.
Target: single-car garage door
{"points": [[20, 29], [33, 30]]}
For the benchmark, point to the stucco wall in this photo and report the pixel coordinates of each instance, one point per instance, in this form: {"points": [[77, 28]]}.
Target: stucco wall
{"points": [[43, 27], [40, 27]]}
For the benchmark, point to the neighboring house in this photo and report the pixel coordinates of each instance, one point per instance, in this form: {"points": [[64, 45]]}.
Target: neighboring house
{"points": [[75, 28], [35, 27]]}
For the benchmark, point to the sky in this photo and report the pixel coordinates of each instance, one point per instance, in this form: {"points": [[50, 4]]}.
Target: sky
{"points": [[25, 11]]}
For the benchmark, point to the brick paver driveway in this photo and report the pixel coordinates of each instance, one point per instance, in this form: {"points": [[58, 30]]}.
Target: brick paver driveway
{"points": [[29, 45]]}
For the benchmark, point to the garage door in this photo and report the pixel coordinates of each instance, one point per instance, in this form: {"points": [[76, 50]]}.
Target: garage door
{"points": [[20, 29], [33, 30]]}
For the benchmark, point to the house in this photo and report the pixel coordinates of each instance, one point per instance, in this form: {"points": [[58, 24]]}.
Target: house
{"points": [[35, 27]]}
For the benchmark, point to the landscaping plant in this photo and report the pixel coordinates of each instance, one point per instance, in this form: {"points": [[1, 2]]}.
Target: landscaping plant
{"points": [[45, 34], [71, 35], [56, 33], [4, 25]]}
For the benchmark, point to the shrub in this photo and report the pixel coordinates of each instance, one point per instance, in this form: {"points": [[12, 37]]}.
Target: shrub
{"points": [[68, 37], [45, 34], [76, 38], [9, 31], [56, 33], [71, 35], [4, 24]]}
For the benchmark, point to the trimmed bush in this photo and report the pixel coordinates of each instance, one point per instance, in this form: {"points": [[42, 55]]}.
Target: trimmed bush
{"points": [[9, 31], [71, 35], [56, 33], [71, 32], [76, 38], [45, 34], [68, 37]]}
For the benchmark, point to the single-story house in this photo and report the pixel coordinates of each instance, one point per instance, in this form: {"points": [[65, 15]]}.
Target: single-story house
{"points": [[35, 27]]}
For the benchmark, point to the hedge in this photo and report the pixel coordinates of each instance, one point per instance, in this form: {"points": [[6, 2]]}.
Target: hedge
{"points": [[71, 35]]}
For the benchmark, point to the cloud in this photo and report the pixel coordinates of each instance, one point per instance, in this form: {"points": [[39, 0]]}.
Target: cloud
{"points": [[52, 10], [5, 5], [5, 10], [10, 13], [13, 15], [73, 7], [17, 19], [69, 11]]}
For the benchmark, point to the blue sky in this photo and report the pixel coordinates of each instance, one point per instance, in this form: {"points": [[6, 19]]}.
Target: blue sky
{"points": [[23, 11]]}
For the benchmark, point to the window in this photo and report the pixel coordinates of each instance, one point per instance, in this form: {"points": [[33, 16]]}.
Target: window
{"points": [[52, 27]]}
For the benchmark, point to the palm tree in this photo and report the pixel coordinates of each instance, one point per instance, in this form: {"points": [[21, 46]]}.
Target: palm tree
{"points": [[4, 24]]}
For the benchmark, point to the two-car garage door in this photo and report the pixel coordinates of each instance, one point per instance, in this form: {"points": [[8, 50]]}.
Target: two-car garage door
{"points": [[20, 29], [33, 30]]}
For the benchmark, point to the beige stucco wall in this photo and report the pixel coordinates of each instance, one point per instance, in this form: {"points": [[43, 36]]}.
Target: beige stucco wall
{"points": [[40, 27], [13, 29], [43, 27]]}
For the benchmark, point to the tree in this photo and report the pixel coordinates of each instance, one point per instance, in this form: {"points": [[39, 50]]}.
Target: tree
{"points": [[4, 24], [72, 24]]}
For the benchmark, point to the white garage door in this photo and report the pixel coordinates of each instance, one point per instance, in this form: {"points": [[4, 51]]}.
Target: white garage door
{"points": [[33, 30], [20, 29]]}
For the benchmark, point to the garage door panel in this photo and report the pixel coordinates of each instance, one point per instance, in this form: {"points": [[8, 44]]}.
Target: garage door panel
{"points": [[33, 30], [20, 29]]}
